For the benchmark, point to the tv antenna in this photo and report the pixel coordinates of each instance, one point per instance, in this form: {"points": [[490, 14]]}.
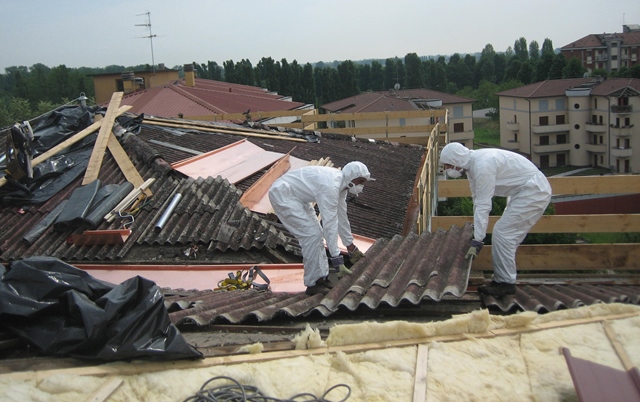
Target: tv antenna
{"points": [[150, 36]]}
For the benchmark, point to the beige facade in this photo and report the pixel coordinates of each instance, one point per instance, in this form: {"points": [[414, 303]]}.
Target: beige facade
{"points": [[106, 84], [576, 128]]}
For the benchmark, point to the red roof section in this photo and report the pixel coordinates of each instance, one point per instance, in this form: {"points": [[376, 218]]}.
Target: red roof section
{"points": [[385, 101], [598, 40], [207, 97], [549, 88]]}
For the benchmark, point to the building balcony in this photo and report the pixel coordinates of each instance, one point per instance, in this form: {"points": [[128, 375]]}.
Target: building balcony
{"points": [[461, 136], [621, 109], [552, 128], [596, 148], [513, 126], [551, 148], [621, 152], [622, 131], [596, 128], [512, 145], [602, 57]]}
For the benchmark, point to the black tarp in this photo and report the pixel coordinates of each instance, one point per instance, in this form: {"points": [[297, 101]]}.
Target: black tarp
{"points": [[63, 311]]}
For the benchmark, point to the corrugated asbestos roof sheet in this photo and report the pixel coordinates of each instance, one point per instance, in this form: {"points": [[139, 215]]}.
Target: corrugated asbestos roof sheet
{"points": [[379, 212], [546, 298], [209, 213], [402, 269]]}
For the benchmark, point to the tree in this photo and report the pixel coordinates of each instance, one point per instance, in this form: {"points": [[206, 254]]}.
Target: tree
{"points": [[486, 65], [377, 76], [230, 74], [512, 70], [285, 78], [500, 66], [547, 46], [534, 51], [525, 73], [215, 71], [520, 49], [543, 66], [364, 77], [573, 69], [348, 79], [557, 67], [413, 66], [308, 85]]}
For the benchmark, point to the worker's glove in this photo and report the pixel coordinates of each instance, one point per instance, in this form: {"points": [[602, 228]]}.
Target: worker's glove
{"points": [[335, 262], [475, 248], [343, 270], [355, 255]]}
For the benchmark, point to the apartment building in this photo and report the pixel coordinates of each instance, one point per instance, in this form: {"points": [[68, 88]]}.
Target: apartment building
{"points": [[576, 122], [607, 51], [459, 112]]}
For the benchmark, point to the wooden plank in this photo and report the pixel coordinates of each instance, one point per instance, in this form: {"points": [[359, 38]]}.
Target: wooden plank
{"points": [[407, 114], [617, 346], [420, 378], [610, 184], [382, 131], [95, 162], [258, 115], [256, 192], [604, 223], [125, 368], [573, 257], [70, 141], [106, 390], [246, 133], [126, 166]]}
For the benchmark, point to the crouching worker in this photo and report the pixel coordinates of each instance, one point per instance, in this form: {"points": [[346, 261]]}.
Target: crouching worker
{"points": [[504, 174], [292, 197]]}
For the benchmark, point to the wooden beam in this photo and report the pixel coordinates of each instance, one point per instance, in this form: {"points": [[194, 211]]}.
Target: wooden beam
{"points": [[407, 114], [385, 131], [125, 368], [246, 133], [257, 191], [126, 166], [617, 346], [95, 162], [420, 377], [568, 257], [604, 223], [69, 141], [254, 115], [106, 390], [611, 184]]}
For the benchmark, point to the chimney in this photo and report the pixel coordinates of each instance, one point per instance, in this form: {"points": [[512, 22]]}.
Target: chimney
{"points": [[189, 75], [128, 82]]}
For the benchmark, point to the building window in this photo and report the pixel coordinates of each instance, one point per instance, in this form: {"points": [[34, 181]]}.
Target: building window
{"points": [[594, 119], [543, 121], [458, 112], [544, 161], [515, 118], [561, 139], [627, 122], [543, 105], [614, 44], [403, 122], [595, 103], [458, 127], [560, 119], [560, 104], [600, 120], [614, 57], [544, 140], [561, 160], [600, 140]]}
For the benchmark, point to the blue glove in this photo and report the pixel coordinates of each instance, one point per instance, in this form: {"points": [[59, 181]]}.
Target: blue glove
{"points": [[335, 262], [475, 248]]}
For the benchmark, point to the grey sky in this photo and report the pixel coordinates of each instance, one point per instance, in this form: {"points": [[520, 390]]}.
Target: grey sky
{"points": [[99, 33]]}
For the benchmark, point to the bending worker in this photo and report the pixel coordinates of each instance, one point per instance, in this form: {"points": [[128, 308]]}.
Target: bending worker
{"points": [[292, 197], [504, 174]]}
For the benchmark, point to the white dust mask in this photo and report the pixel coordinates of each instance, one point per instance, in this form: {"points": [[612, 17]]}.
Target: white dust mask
{"points": [[355, 189], [453, 173]]}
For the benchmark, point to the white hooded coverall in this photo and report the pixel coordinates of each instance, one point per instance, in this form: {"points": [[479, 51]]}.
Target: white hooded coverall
{"points": [[291, 197], [504, 174]]}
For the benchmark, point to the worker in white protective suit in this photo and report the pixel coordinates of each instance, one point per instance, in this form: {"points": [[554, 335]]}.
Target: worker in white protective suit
{"points": [[292, 197], [504, 174]]}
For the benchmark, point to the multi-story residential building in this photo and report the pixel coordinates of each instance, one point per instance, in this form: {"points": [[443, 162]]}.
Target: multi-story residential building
{"points": [[577, 122], [460, 113], [607, 51]]}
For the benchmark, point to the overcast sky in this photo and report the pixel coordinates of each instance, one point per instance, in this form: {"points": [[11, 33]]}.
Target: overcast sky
{"points": [[92, 33]]}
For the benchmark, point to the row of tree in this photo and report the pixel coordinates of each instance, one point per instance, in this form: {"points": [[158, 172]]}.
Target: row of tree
{"points": [[26, 92]]}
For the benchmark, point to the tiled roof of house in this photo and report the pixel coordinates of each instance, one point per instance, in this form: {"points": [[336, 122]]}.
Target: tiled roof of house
{"points": [[207, 97], [395, 100], [551, 88], [598, 40]]}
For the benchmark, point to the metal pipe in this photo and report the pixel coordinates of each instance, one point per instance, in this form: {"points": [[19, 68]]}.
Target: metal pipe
{"points": [[167, 213]]}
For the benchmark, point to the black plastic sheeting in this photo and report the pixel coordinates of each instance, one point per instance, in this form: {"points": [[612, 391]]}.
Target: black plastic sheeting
{"points": [[64, 311]]}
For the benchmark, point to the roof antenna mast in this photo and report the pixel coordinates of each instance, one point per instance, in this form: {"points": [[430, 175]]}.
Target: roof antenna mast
{"points": [[150, 36]]}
